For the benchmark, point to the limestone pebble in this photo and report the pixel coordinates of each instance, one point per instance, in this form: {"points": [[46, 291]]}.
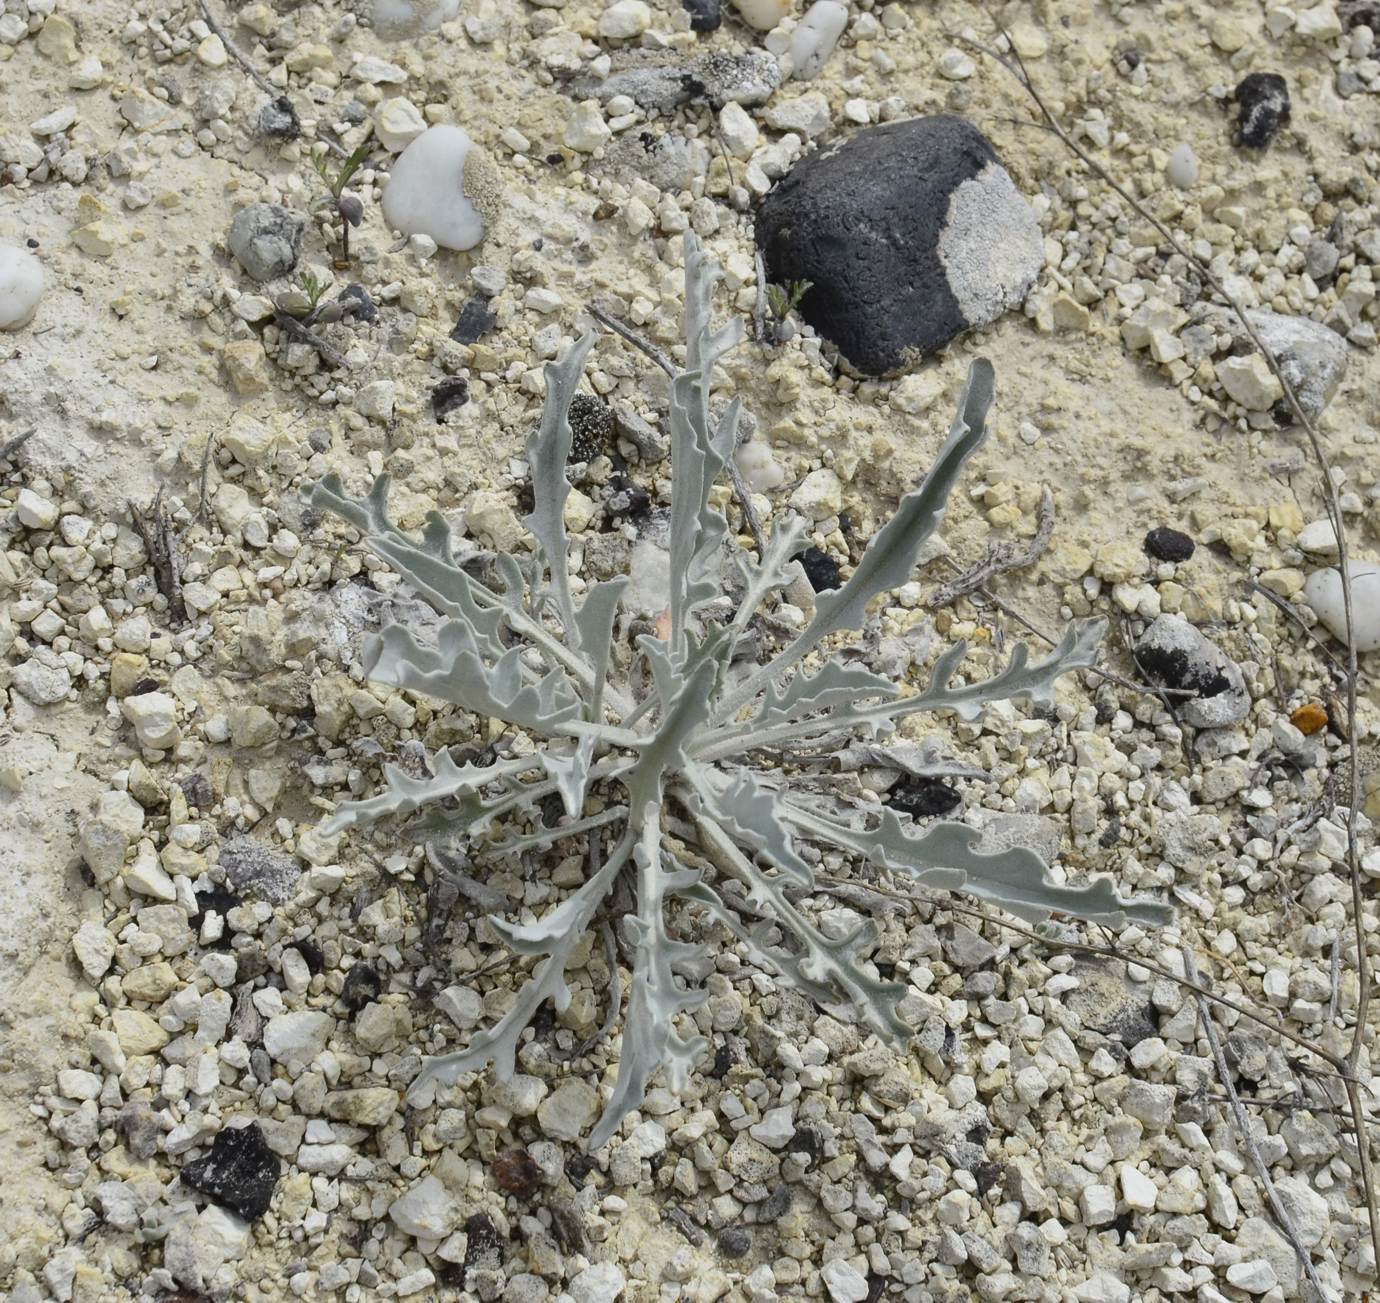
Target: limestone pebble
{"points": [[815, 37], [401, 19], [21, 286], [1324, 593], [443, 186]]}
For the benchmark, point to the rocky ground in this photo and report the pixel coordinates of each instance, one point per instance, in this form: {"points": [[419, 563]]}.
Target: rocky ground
{"points": [[184, 953]]}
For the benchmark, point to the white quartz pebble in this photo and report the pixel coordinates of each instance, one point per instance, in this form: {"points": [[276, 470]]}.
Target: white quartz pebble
{"points": [[399, 19], [1324, 593], [815, 36], [1182, 169], [443, 186], [21, 286], [762, 14]]}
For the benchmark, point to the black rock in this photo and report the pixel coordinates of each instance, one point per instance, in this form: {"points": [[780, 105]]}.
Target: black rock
{"points": [[362, 985], [807, 1141], [1353, 13], [279, 118], [452, 392], [909, 233], [820, 568], [922, 798], [776, 1205], [724, 1059], [734, 1241], [239, 1173], [477, 318], [1165, 544], [311, 955], [1262, 100], [259, 870], [483, 1246], [356, 297], [212, 900], [591, 425], [705, 15]]}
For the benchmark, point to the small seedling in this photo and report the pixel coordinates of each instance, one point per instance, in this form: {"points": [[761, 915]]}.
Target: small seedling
{"points": [[348, 209], [304, 300], [783, 300]]}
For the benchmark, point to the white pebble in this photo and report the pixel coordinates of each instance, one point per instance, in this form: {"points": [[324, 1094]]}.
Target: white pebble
{"points": [[1324, 593], [430, 193], [1182, 169], [21, 286], [815, 37], [763, 14], [955, 65]]}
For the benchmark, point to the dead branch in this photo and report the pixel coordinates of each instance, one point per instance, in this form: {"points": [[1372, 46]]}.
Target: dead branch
{"points": [[154, 527], [1000, 558]]}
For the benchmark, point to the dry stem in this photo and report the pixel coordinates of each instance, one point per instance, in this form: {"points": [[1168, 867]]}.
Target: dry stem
{"points": [[1015, 65]]}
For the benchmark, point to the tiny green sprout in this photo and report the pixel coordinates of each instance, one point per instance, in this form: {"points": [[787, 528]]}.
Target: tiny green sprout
{"points": [[305, 299], [349, 209], [784, 300]]}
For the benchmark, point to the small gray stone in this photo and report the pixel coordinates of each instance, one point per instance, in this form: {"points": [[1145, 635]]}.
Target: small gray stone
{"points": [[266, 240], [1150, 1103], [1174, 654], [259, 870]]}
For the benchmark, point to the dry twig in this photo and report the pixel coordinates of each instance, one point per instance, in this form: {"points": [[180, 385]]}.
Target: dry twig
{"points": [[652, 352], [1015, 65], [1243, 1124], [1000, 558], [154, 527]]}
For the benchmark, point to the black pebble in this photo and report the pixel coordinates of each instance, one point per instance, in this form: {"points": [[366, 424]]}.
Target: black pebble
{"points": [[483, 1247], [724, 1059], [1165, 544], [1360, 13], [357, 297], [776, 1205], [922, 798], [476, 320], [279, 118], [213, 900], [362, 984], [705, 15], [1262, 108], [820, 568], [451, 393], [807, 1141], [311, 955], [239, 1173], [591, 427], [734, 1241]]}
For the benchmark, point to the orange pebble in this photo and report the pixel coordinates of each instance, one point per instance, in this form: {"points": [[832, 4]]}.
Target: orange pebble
{"points": [[1310, 718]]}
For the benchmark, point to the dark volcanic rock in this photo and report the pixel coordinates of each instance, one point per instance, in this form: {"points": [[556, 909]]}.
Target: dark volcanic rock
{"points": [[239, 1173], [476, 320], [1262, 100], [909, 233], [922, 798], [1165, 544], [451, 393], [591, 427], [705, 15], [356, 299], [820, 569]]}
